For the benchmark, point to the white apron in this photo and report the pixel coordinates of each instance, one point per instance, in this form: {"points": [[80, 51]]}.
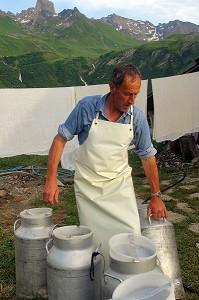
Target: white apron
{"points": [[103, 183]]}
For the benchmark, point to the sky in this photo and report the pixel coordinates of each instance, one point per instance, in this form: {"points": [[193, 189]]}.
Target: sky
{"points": [[155, 11]]}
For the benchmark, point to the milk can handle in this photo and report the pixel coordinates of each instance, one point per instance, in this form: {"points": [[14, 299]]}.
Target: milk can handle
{"points": [[15, 223], [111, 276], [163, 219], [158, 262], [51, 233], [47, 250]]}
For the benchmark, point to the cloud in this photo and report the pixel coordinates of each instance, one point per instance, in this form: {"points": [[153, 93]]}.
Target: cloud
{"points": [[156, 11]]}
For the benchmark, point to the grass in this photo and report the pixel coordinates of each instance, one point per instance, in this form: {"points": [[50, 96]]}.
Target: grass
{"points": [[22, 160], [66, 213], [7, 265]]}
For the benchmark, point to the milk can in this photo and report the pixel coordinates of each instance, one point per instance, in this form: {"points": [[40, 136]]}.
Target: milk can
{"points": [[161, 233], [148, 286], [30, 253], [73, 265], [129, 255]]}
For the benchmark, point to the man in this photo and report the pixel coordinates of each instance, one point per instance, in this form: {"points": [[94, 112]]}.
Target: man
{"points": [[106, 125]]}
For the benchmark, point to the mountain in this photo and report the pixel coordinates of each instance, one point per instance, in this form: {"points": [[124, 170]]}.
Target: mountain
{"points": [[43, 58], [169, 57], [40, 48], [146, 31], [44, 18], [82, 37], [44, 8]]}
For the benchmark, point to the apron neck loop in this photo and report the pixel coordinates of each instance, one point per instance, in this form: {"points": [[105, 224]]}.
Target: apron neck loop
{"points": [[131, 119], [96, 118]]}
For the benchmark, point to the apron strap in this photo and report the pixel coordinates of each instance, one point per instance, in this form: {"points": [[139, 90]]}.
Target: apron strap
{"points": [[96, 117], [131, 118]]}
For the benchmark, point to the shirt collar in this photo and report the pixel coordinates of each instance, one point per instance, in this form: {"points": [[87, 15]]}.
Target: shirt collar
{"points": [[101, 106]]}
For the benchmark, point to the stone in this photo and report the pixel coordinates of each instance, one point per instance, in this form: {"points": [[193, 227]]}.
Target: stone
{"points": [[195, 160], [188, 187], [167, 197], [194, 227], [195, 195], [3, 193], [175, 217], [184, 206]]}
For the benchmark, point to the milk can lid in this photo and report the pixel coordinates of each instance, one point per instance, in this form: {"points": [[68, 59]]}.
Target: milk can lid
{"points": [[36, 212]]}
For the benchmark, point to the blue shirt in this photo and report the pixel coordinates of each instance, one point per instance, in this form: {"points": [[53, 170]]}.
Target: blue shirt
{"points": [[80, 120]]}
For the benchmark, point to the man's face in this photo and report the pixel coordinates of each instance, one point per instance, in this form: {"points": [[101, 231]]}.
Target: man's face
{"points": [[124, 96]]}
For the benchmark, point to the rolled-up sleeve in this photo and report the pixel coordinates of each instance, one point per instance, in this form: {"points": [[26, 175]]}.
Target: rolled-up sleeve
{"points": [[72, 125], [142, 137], [64, 132], [143, 154], [79, 121]]}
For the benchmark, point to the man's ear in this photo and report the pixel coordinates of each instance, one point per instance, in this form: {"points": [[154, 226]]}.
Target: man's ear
{"points": [[112, 87]]}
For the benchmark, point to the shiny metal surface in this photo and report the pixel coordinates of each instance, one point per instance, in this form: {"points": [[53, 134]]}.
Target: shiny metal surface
{"points": [[162, 234], [145, 286], [68, 265], [123, 265], [31, 232], [112, 279]]}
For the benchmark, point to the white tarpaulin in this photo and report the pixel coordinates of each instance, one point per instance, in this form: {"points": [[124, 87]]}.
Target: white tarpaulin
{"points": [[29, 118], [176, 106], [82, 91]]}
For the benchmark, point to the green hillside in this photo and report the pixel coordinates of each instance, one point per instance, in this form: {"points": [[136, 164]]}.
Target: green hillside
{"points": [[84, 38], [54, 58], [168, 57], [63, 56]]}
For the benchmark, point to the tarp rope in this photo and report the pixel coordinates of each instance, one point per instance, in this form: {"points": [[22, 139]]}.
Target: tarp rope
{"points": [[38, 171]]}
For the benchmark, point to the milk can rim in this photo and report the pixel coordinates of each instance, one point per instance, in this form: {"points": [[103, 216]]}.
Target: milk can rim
{"points": [[112, 250], [142, 278], [72, 237], [39, 213]]}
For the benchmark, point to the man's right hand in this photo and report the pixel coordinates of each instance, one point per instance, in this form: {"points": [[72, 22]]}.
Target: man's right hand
{"points": [[51, 192]]}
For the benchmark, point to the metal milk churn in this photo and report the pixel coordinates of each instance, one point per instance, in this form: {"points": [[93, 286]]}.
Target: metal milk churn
{"points": [[129, 255], [30, 252], [148, 286], [161, 233], [73, 265]]}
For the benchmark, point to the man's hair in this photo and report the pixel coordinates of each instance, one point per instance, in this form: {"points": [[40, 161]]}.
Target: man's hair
{"points": [[118, 74]]}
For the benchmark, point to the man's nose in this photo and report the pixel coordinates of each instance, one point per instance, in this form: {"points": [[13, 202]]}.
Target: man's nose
{"points": [[132, 99]]}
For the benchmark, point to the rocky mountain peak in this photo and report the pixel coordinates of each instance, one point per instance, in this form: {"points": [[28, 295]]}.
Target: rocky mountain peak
{"points": [[145, 30], [43, 17], [45, 7], [177, 26], [68, 14], [42, 10], [142, 30]]}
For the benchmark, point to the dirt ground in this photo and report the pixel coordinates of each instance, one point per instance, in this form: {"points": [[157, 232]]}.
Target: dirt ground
{"points": [[17, 191]]}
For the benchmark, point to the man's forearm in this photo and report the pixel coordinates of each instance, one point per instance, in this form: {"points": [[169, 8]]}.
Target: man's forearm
{"points": [[151, 171], [54, 157], [156, 206]]}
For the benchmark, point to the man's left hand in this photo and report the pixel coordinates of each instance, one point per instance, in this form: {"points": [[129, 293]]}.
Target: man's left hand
{"points": [[157, 208]]}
